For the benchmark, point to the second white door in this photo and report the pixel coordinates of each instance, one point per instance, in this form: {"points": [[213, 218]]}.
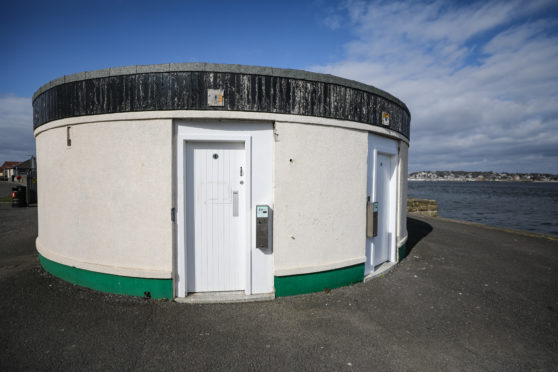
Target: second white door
{"points": [[215, 177], [383, 178]]}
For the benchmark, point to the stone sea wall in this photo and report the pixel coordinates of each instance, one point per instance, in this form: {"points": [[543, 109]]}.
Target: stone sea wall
{"points": [[423, 207]]}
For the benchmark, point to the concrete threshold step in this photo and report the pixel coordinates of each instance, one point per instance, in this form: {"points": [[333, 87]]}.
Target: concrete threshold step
{"points": [[223, 297]]}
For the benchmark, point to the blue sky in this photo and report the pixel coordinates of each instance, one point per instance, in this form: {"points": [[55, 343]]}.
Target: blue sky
{"points": [[480, 78]]}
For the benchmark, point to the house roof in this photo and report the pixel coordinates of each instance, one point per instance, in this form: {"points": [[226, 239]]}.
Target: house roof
{"points": [[27, 164], [9, 164]]}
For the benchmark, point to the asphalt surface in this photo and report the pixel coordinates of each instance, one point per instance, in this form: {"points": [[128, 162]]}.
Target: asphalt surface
{"points": [[466, 298]]}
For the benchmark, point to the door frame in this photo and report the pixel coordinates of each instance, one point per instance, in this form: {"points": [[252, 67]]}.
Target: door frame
{"points": [[378, 145], [180, 211]]}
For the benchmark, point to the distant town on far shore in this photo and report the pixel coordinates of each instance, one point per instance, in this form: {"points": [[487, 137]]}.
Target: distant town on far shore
{"points": [[482, 176]]}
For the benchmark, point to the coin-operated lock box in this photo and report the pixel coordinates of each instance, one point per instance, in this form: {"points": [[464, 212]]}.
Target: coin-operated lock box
{"points": [[371, 219], [263, 226]]}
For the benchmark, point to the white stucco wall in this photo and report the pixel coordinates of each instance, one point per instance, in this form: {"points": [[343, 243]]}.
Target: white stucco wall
{"points": [[320, 198], [104, 202]]}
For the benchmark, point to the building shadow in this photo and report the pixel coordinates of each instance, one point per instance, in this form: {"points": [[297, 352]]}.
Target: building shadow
{"points": [[417, 231]]}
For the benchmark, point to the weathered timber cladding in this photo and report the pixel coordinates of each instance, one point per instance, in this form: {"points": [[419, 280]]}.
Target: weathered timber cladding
{"points": [[187, 90]]}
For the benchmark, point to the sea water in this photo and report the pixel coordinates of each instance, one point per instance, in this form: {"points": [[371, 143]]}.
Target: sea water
{"points": [[530, 206]]}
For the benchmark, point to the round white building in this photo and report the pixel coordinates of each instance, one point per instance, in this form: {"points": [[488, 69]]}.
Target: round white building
{"points": [[174, 179]]}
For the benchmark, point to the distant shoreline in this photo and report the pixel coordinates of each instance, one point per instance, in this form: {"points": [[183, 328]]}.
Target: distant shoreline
{"points": [[473, 180], [475, 176]]}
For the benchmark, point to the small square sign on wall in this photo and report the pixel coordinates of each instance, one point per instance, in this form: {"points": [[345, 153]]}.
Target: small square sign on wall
{"points": [[385, 118], [215, 97]]}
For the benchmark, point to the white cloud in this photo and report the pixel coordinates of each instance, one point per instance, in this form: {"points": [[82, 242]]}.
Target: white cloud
{"points": [[480, 79], [332, 21], [16, 128]]}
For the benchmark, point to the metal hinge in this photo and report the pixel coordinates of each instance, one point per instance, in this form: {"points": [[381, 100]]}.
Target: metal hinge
{"points": [[173, 215]]}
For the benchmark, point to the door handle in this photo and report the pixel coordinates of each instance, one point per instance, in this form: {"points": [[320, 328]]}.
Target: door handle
{"points": [[235, 203]]}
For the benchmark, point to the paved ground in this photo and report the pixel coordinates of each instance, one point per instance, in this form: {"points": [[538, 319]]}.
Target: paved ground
{"points": [[467, 298]]}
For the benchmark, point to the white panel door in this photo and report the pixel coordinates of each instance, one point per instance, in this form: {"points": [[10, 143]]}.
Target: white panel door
{"points": [[383, 177], [215, 214]]}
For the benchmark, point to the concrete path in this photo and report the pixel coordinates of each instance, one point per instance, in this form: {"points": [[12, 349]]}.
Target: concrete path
{"points": [[466, 298]]}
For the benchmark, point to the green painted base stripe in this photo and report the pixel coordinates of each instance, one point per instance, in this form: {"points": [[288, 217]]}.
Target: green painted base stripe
{"points": [[316, 282], [403, 252], [127, 285]]}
